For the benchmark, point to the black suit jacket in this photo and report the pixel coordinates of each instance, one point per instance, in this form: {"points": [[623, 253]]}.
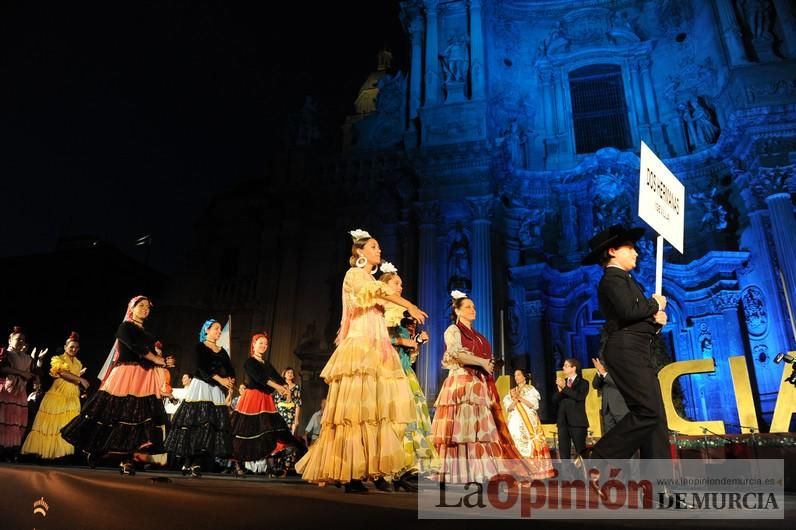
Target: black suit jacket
{"points": [[623, 303], [572, 404], [612, 400]]}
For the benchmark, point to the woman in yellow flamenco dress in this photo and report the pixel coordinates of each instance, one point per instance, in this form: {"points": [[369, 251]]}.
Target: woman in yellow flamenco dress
{"points": [[369, 402], [60, 404]]}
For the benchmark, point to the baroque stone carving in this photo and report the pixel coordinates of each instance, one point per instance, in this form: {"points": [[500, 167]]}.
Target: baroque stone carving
{"points": [[760, 353], [714, 214], [530, 231], [754, 311], [724, 300]]}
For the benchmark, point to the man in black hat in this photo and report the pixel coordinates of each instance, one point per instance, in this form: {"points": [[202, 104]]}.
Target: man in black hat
{"points": [[632, 322]]}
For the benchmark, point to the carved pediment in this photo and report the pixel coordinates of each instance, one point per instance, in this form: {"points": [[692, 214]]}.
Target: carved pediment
{"points": [[589, 28]]}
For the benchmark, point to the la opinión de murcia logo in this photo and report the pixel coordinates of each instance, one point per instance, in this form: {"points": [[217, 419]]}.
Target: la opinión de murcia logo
{"points": [[40, 507]]}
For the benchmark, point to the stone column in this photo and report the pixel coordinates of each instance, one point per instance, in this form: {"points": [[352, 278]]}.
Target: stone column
{"points": [[476, 51], [731, 32], [656, 130], [432, 53], [783, 227], [565, 124], [546, 78], [636, 91], [558, 91], [534, 313], [767, 379], [651, 108], [787, 20], [428, 365], [728, 343], [416, 72], [481, 248]]}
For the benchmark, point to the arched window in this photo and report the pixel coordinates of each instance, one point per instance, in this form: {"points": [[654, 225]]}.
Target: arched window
{"points": [[598, 108]]}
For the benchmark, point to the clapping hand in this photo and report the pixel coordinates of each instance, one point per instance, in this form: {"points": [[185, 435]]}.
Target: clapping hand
{"points": [[599, 366]]}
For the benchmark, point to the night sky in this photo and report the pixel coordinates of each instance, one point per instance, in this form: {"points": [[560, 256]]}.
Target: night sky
{"points": [[121, 119]]}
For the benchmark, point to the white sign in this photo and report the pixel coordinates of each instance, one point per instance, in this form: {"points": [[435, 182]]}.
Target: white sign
{"points": [[661, 199]]}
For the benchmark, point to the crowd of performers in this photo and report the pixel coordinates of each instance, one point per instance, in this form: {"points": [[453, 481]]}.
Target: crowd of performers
{"points": [[375, 425]]}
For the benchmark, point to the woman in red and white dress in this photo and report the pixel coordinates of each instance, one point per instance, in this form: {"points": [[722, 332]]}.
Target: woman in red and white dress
{"points": [[469, 430]]}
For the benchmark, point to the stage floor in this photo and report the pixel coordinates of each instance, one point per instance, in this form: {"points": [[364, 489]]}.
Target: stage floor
{"points": [[83, 498]]}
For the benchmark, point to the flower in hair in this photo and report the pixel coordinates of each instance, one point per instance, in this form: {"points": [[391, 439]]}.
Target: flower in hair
{"points": [[388, 267], [358, 234], [456, 294]]}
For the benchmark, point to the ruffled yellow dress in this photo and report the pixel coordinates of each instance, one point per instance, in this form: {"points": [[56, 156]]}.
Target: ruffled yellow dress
{"points": [[369, 401], [60, 404]]}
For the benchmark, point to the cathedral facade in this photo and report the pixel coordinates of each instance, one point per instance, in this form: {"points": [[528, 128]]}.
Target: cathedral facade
{"points": [[511, 139]]}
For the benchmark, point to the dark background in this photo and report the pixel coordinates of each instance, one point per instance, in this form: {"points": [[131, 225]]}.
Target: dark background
{"points": [[124, 119]]}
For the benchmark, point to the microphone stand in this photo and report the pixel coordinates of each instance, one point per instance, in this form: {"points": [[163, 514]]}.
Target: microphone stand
{"points": [[705, 432]]}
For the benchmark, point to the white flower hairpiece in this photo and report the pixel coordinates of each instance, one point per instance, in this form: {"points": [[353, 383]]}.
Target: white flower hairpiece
{"points": [[358, 234], [388, 267], [456, 294]]}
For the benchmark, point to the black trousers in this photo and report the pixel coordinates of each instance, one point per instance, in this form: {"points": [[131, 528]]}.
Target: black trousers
{"points": [[566, 437], [628, 356]]}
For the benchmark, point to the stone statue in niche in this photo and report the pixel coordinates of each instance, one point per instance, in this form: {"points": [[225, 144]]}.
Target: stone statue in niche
{"points": [[556, 39], [515, 329], [754, 310], [530, 231], [459, 260], [705, 341], [517, 146], [701, 127], [456, 59], [714, 216], [759, 16]]}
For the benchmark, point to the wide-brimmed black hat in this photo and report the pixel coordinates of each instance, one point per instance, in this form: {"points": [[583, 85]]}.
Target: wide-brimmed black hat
{"points": [[610, 238]]}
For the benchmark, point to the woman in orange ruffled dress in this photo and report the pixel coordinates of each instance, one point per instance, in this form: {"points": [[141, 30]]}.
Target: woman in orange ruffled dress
{"points": [[369, 401]]}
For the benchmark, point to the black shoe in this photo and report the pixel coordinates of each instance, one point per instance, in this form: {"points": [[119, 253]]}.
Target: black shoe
{"points": [[91, 460], [594, 484], [196, 471], [355, 486], [126, 468], [186, 471], [382, 484], [410, 476], [667, 500], [409, 487]]}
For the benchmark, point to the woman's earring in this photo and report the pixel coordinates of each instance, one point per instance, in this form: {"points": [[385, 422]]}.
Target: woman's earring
{"points": [[361, 262]]}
